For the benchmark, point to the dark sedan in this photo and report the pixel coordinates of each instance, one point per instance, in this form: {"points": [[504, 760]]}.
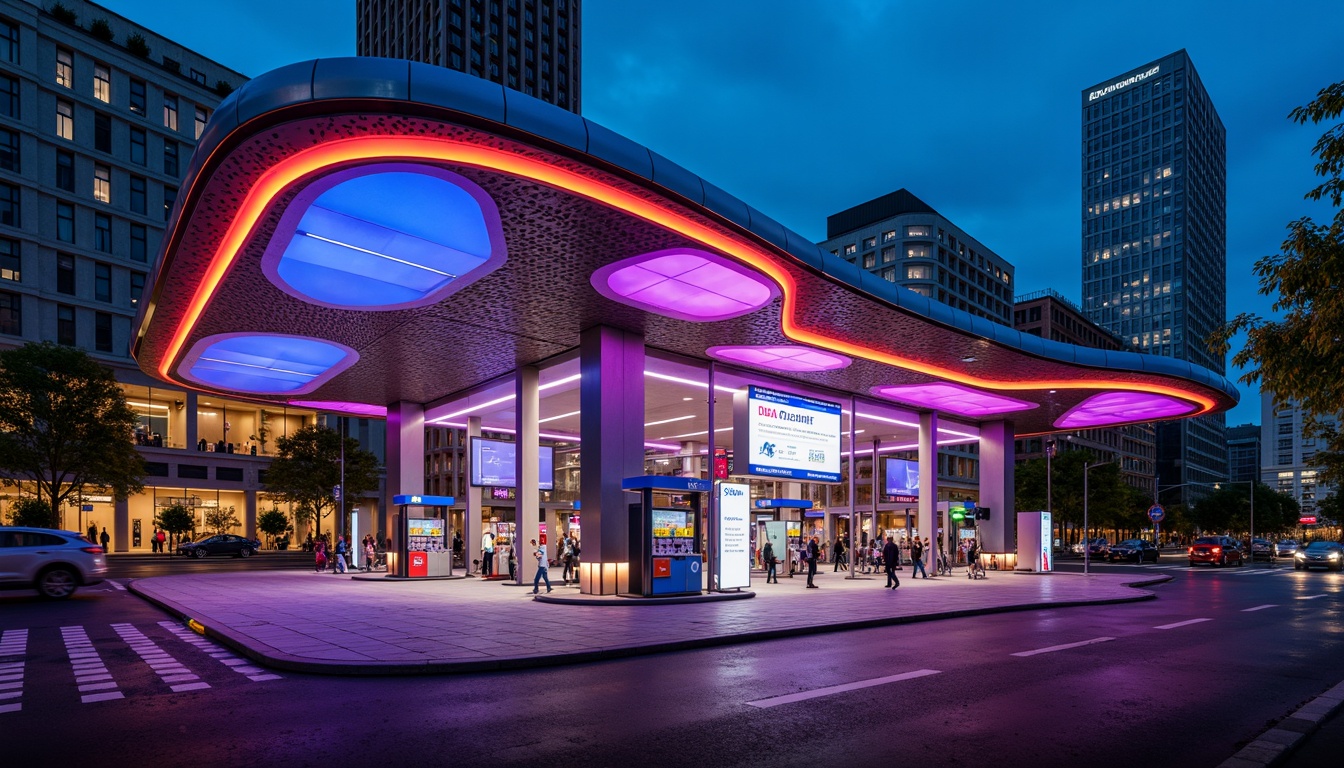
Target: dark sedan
{"points": [[1133, 550], [220, 544], [1216, 550], [1320, 554]]}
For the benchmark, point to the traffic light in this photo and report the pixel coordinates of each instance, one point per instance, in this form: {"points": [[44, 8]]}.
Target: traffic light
{"points": [[958, 514], [982, 513]]}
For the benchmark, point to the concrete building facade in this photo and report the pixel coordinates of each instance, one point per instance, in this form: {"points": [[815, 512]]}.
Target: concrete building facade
{"points": [[1287, 454], [1243, 453]]}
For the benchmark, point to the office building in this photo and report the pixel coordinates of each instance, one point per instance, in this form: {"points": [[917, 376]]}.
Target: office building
{"points": [[1243, 453], [531, 46], [1154, 251], [1287, 461]]}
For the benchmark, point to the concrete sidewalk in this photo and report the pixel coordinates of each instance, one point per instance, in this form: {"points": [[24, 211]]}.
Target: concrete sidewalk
{"points": [[325, 624]]}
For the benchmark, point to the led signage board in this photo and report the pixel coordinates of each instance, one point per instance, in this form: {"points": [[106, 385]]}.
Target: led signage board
{"points": [[734, 562], [787, 435], [493, 462], [903, 479]]}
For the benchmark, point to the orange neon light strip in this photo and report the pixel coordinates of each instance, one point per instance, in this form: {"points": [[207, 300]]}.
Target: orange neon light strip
{"points": [[438, 149]]}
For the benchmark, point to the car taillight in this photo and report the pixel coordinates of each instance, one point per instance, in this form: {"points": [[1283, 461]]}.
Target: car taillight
{"points": [[92, 550], [1190, 551], [1216, 550]]}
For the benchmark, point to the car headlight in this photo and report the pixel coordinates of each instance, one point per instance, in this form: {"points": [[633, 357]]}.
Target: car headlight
{"points": [[1334, 555], [1302, 555]]}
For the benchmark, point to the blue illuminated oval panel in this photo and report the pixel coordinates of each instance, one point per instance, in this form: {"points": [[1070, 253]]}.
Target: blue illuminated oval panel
{"points": [[265, 363], [385, 236]]}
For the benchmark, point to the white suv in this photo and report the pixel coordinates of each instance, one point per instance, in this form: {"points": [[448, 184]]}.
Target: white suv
{"points": [[55, 563]]}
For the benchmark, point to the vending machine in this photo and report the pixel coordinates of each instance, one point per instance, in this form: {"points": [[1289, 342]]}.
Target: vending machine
{"points": [[665, 552]]}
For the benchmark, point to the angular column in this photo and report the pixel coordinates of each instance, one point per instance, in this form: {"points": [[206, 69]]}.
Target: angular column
{"points": [[611, 397], [193, 428], [527, 406], [996, 486], [405, 456], [928, 485], [121, 525], [472, 530], [250, 514]]}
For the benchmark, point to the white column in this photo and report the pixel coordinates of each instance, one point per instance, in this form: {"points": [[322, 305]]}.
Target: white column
{"points": [[405, 457], [527, 406], [928, 484], [472, 529], [611, 396], [996, 486]]}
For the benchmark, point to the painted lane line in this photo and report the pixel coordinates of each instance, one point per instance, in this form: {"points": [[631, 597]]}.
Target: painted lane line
{"points": [[776, 701], [1064, 647], [241, 666], [1259, 607], [164, 665], [118, 585], [13, 644], [78, 646], [1312, 597], [1182, 624]]}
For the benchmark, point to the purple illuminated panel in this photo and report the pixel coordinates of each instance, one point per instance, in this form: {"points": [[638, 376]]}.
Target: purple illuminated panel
{"points": [[265, 363], [385, 236], [1120, 408], [685, 283], [341, 406], [953, 398], [790, 358]]}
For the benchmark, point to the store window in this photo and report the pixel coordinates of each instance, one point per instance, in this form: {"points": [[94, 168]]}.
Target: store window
{"points": [[102, 83], [102, 183], [65, 119], [11, 314], [65, 68], [65, 222], [65, 325], [11, 263]]}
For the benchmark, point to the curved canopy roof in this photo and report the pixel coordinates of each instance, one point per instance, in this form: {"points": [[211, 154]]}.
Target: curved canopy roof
{"points": [[367, 231]]}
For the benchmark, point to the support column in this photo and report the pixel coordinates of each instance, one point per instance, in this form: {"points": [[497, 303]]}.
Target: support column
{"points": [[996, 487], [405, 457], [611, 397], [928, 484], [527, 406], [690, 458], [472, 529], [121, 525], [193, 428], [250, 514]]}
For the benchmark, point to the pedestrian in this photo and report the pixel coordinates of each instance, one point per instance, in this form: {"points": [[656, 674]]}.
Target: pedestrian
{"points": [[768, 558], [93, 533], [105, 539], [813, 552], [487, 555], [917, 559], [369, 553], [338, 565], [457, 548], [890, 554], [929, 550], [163, 540], [567, 557], [543, 569], [840, 564], [320, 554]]}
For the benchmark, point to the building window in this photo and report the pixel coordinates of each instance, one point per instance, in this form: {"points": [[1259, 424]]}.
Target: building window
{"points": [[138, 146], [869, 260], [102, 132], [170, 111], [102, 83], [170, 161], [9, 97], [917, 230], [9, 41], [65, 119], [9, 205], [65, 222], [851, 249], [138, 204], [889, 274], [870, 242], [102, 282], [11, 264], [918, 272], [169, 197], [65, 325], [137, 287], [139, 243], [138, 98], [102, 232], [102, 183], [888, 236], [9, 150], [65, 274], [65, 170], [917, 251], [888, 254], [202, 117], [197, 76], [65, 68], [102, 332]]}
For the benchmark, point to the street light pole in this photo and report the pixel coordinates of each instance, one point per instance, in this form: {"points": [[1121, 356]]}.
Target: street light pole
{"points": [[1087, 548], [1049, 479]]}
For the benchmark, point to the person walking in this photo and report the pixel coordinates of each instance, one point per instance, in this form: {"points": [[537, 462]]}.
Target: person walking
{"points": [[320, 554], [917, 559], [813, 552], [890, 555], [543, 569], [768, 558], [105, 539], [93, 533], [457, 548], [370, 555], [840, 554], [162, 537], [338, 565], [567, 557], [487, 555]]}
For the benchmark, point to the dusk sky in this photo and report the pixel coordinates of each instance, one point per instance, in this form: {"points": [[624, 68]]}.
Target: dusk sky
{"points": [[806, 107]]}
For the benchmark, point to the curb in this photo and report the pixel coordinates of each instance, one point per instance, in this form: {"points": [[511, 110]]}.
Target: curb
{"points": [[1275, 744], [283, 661]]}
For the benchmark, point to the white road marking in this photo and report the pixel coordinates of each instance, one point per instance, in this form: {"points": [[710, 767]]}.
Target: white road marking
{"points": [[164, 665], [1259, 607], [776, 701], [1312, 597], [118, 585], [1182, 624], [78, 646], [1064, 647], [238, 665]]}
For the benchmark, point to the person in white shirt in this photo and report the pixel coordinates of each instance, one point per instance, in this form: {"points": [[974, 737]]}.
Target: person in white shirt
{"points": [[543, 570], [487, 554]]}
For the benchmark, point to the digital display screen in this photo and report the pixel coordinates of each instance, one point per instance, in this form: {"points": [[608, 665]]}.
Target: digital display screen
{"points": [[493, 462], [672, 523], [902, 477], [788, 435]]}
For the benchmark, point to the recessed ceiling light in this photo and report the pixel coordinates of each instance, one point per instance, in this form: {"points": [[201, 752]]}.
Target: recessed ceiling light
{"points": [[968, 359], [687, 399]]}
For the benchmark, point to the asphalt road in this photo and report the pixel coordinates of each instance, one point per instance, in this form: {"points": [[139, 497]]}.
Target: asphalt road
{"points": [[1185, 679]]}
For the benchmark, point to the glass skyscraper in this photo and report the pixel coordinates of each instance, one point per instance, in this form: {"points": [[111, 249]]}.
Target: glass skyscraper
{"points": [[1154, 248]]}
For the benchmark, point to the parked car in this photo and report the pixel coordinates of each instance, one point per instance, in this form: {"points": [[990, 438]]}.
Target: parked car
{"points": [[1096, 547], [1135, 550], [220, 544], [1319, 554], [1285, 548], [1216, 550], [1261, 549], [55, 563]]}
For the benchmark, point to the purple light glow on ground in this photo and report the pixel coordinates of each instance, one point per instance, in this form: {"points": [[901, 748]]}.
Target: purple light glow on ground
{"points": [[686, 284], [954, 398], [341, 406], [788, 358], [1121, 407]]}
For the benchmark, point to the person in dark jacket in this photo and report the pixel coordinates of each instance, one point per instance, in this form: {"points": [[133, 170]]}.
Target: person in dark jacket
{"points": [[890, 557], [841, 564], [813, 552], [768, 558]]}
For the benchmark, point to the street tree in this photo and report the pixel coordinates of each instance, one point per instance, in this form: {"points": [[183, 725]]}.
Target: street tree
{"points": [[307, 469], [1228, 509], [65, 425], [273, 523], [176, 520], [221, 519], [31, 513], [1111, 504], [1299, 356]]}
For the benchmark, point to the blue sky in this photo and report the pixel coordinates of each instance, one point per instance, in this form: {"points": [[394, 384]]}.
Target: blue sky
{"points": [[806, 107]]}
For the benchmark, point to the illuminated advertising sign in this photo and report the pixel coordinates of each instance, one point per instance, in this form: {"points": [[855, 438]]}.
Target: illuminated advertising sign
{"points": [[786, 435], [734, 562], [431, 527], [1117, 85], [493, 462], [903, 479], [1047, 532]]}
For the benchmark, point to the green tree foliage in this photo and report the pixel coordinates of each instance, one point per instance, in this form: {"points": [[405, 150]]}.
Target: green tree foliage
{"points": [[308, 466], [31, 513], [176, 519], [272, 522], [65, 425], [1228, 510], [221, 519], [1111, 503], [1300, 356]]}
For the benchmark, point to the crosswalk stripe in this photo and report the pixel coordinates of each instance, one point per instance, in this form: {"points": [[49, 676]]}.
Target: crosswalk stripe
{"points": [[164, 665], [79, 646], [241, 666]]}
